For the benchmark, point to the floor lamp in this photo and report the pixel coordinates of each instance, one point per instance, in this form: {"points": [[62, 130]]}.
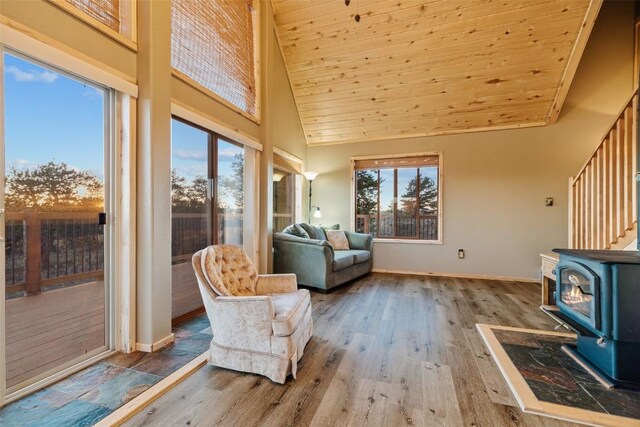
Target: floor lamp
{"points": [[310, 177]]}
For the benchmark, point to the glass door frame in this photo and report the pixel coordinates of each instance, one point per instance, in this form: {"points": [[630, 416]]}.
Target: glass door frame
{"points": [[212, 169], [111, 153]]}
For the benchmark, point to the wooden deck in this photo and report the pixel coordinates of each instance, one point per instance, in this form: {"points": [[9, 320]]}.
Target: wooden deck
{"points": [[54, 327], [185, 295], [388, 350]]}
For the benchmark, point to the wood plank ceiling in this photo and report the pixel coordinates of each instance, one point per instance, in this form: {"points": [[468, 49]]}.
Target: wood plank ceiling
{"points": [[414, 68]]}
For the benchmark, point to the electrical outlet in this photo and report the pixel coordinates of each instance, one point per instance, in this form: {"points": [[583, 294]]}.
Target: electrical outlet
{"points": [[461, 253]]}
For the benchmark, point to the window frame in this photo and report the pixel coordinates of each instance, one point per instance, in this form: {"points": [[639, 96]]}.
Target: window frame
{"points": [[395, 238], [129, 39], [116, 144], [257, 117], [294, 198], [212, 169], [295, 169]]}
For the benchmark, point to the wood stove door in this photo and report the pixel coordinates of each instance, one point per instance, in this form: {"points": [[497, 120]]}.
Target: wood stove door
{"points": [[578, 293]]}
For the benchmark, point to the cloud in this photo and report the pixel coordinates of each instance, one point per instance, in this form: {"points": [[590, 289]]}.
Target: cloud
{"points": [[19, 75], [228, 154], [92, 92], [190, 154], [22, 164], [192, 171]]}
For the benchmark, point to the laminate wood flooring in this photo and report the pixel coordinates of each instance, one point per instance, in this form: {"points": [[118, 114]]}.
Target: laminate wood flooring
{"points": [[388, 350]]}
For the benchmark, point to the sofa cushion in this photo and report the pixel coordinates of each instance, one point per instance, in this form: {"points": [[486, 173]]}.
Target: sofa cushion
{"points": [[314, 231], [342, 259], [331, 227], [338, 240], [288, 310], [360, 256], [296, 230]]}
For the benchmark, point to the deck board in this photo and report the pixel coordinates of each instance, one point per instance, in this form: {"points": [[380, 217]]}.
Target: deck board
{"points": [[46, 330]]}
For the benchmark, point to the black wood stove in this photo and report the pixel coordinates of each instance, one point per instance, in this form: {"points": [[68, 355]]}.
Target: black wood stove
{"points": [[598, 295]]}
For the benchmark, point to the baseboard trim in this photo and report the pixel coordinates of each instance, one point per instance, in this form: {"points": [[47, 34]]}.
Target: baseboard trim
{"points": [[135, 405], [459, 276], [148, 348]]}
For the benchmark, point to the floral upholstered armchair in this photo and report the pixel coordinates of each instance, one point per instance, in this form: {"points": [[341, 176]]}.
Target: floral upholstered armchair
{"points": [[260, 323]]}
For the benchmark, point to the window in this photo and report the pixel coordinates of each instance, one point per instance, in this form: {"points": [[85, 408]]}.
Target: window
{"points": [[286, 172], [398, 198], [283, 199], [212, 43], [207, 203], [105, 11], [56, 201], [113, 17]]}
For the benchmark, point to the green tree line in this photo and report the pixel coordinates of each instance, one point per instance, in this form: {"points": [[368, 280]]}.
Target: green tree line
{"points": [[192, 197], [367, 194], [58, 187]]}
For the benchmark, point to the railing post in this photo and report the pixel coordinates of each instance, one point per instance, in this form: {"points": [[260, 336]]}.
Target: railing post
{"points": [[33, 253]]}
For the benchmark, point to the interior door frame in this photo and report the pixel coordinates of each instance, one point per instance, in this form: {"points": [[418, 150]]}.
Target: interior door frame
{"points": [[111, 147]]}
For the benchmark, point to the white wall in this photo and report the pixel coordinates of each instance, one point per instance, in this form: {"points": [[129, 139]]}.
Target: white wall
{"points": [[495, 183]]}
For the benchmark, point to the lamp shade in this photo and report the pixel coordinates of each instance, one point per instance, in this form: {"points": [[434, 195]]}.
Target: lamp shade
{"points": [[310, 175], [277, 176], [317, 213]]}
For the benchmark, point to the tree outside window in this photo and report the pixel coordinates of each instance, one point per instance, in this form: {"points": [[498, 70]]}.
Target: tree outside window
{"points": [[399, 200]]}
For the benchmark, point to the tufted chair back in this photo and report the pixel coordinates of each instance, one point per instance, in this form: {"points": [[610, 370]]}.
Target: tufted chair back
{"points": [[228, 270]]}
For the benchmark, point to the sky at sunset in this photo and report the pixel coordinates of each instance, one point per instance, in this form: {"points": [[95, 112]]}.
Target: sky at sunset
{"points": [[51, 116]]}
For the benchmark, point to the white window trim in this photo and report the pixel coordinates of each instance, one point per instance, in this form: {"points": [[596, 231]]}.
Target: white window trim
{"points": [[352, 221], [24, 40], [214, 125]]}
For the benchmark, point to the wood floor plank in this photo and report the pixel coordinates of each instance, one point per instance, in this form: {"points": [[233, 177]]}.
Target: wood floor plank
{"points": [[388, 350], [496, 387]]}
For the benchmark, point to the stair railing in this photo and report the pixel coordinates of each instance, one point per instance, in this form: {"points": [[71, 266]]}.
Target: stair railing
{"points": [[602, 196]]}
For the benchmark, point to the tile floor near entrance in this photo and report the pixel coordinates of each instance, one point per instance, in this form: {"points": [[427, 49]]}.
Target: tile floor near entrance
{"points": [[86, 397]]}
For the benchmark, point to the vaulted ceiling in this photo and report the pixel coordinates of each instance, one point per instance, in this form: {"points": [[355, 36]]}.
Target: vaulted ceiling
{"points": [[414, 68]]}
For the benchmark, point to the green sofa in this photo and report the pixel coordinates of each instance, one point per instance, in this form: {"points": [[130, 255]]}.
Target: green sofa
{"points": [[311, 257]]}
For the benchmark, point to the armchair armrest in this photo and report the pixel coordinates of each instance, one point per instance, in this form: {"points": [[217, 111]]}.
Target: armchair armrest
{"points": [[276, 283], [311, 260], [243, 322], [360, 241]]}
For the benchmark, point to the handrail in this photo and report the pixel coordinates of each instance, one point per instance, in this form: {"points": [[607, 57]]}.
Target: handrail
{"points": [[604, 137], [602, 195], [47, 249]]}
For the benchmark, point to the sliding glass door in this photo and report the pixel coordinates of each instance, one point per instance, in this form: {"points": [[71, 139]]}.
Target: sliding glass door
{"points": [[57, 297], [207, 204]]}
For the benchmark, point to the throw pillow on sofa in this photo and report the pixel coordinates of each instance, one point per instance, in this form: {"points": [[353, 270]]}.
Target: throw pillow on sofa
{"points": [[331, 227], [296, 230], [314, 231], [338, 240]]}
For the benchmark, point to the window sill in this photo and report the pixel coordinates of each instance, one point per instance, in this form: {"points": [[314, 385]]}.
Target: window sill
{"points": [[407, 241]]}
